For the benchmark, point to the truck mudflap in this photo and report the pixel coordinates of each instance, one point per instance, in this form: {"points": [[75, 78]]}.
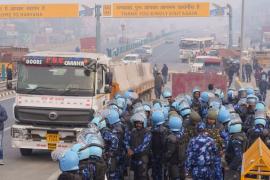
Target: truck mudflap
{"points": [[183, 83], [37, 137]]}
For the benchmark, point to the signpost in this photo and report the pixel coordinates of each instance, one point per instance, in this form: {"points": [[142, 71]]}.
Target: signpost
{"points": [[20, 11], [150, 10]]}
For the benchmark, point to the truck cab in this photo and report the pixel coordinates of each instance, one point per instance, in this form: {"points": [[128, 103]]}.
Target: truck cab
{"points": [[56, 96]]}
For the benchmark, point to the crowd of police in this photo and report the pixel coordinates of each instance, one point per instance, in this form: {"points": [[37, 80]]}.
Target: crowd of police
{"points": [[200, 137]]}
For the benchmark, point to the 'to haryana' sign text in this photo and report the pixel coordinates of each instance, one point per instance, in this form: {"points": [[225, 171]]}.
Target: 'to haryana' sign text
{"points": [[10, 11], [147, 10]]}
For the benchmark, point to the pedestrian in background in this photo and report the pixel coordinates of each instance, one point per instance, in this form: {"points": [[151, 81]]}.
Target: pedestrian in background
{"points": [[3, 118], [164, 72], [155, 70], [159, 84], [248, 68]]}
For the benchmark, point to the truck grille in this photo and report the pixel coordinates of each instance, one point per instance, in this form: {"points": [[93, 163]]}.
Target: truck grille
{"points": [[43, 116]]}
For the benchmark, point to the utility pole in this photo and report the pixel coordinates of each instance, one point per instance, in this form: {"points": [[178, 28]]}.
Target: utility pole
{"points": [[98, 28], [242, 38], [230, 25]]}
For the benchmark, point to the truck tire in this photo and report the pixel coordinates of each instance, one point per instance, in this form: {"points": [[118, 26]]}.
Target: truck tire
{"points": [[26, 152]]}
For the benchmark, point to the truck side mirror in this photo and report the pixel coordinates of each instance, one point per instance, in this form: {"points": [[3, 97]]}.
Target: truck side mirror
{"points": [[108, 89], [87, 72], [108, 78]]}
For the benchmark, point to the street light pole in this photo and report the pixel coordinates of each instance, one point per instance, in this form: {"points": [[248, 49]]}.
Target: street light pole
{"points": [[230, 25], [242, 38]]}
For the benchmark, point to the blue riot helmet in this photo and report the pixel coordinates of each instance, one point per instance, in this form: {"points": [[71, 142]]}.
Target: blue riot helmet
{"points": [[230, 108], [230, 94], [76, 147], [113, 116], [234, 128], [82, 136], [165, 111], [95, 151], [252, 100], [235, 124], [196, 92], [157, 105], [99, 122], [204, 97], [147, 107], [235, 118], [223, 116], [121, 103], [139, 117], [188, 99], [215, 104], [261, 121], [196, 89], [260, 114], [219, 93], [184, 109], [260, 106], [117, 95], [175, 123], [175, 105], [157, 117], [138, 107], [94, 139], [69, 161], [166, 93], [250, 91], [242, 93]]}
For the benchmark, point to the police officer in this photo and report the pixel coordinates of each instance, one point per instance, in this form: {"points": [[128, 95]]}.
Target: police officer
{"points": [[204, 99], [242, 93], [250, 115], [241, 108], [138, 146], [259, 130], [167, 94], [236, 147], [117, 161], [110, 139], [203, 161], [191, 127], [196, 105], [174, 154], [159, 132], [213, 128], [231, 97], [224, 119]]}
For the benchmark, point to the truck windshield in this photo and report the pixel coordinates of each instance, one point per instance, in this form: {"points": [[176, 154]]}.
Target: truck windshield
{"points": [[55, 80], [189, 45]]}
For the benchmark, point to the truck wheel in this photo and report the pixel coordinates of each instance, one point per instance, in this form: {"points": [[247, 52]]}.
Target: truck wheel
{"points": [[26, 152]]}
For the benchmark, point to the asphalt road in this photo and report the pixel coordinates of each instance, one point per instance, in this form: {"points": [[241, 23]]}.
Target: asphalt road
{"points": [[169, 54]]}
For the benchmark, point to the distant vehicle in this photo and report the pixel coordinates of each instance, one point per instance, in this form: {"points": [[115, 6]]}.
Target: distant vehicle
{"points": [[132, 58], [143, 54], [148, 49], [213, 52], [213, 64], [207, 64], [191, 47], [169, 41]]}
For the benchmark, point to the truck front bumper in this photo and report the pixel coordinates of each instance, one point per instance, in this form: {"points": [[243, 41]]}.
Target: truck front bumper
{"points": [[36, 137]]}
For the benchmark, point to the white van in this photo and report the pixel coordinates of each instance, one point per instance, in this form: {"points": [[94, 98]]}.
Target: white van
{"points": [[132, 58]]}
